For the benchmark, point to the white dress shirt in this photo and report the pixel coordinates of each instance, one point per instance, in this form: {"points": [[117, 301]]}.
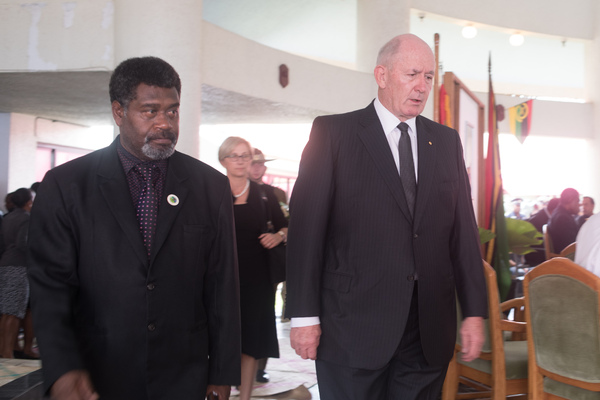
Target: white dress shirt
{"points": [[587, 252], [390, 123]]}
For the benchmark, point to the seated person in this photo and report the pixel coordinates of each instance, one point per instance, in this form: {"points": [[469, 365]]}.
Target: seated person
{"points": [[588, 245], [587, 208], [562, 227], [538, 220]]}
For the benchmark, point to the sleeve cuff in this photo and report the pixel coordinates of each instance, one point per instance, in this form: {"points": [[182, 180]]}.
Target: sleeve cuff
{"points": [[300, 322]]}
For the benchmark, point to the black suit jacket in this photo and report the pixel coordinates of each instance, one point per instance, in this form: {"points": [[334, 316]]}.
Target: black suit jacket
{"points": [[562, 228], [144, 330], [354, 249]]}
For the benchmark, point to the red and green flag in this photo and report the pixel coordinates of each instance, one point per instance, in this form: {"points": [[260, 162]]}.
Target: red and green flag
{"points": [[519, 118], [496, 252], [445, 115]]}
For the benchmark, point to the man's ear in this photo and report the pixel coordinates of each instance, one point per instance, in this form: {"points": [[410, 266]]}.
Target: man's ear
{"points": [[380, 76], [118, 112]]}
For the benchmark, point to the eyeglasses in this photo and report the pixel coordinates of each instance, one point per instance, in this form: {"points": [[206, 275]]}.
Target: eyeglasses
{"points": [[234, 157]]}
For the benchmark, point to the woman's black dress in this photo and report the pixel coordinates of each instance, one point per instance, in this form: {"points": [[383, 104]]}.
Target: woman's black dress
{"points": [[257, 294]]}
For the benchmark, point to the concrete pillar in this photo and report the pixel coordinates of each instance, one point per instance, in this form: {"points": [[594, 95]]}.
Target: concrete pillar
{"points": [[172, 31], [377, 22], [593, 95]]}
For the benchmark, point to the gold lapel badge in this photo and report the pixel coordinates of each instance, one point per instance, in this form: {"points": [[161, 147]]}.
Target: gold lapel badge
{"points": [[431, 144], [173, 199]]}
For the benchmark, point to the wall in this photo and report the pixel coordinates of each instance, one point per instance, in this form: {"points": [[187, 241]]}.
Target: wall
{"points": [[56, 35]]}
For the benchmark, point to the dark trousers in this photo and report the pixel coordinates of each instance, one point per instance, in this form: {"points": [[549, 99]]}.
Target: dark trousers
{"points": [[407, 376]]}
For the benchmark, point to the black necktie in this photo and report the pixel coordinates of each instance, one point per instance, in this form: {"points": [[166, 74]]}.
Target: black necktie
{"points": [[407, 167], [147, 208]]}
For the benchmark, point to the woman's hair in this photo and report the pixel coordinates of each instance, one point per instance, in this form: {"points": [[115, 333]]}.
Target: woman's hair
{"points": [[231, 143], [21, 197]]}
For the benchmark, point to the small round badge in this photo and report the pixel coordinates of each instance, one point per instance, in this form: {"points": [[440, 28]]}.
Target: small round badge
{"points": [[173, 199]]}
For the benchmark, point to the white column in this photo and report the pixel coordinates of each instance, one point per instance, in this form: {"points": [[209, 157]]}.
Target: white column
{"points": [[593, 94], [377, 22], [170, 30]]}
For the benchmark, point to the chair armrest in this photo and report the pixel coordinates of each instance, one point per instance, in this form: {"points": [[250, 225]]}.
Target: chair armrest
{"points": [[513, 326]]}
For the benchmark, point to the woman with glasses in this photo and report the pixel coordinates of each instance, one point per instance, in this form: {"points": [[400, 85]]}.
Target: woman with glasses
{"points": [[253, 205]]}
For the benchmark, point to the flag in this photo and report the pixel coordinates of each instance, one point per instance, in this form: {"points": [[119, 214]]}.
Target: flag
{"points": [[496, 253], [445, 115], [519, 118]]}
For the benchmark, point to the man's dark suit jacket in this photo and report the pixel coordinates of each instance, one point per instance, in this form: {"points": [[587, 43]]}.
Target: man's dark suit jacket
{"points": [[353, 249], [562, 228], [157, 331]]}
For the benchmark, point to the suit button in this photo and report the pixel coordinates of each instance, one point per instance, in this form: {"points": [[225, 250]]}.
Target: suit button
{"points": [[410, 278], [415, 235], [151, 327], [150, 286]]}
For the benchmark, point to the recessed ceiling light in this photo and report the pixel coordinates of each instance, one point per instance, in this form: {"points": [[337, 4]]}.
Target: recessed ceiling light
{"points": [[469, 32], [516, 39]]}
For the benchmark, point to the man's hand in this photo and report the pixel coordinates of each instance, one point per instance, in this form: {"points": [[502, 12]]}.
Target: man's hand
{"points": [[471, 333], [218, 392], [74, 385], [305, 340]]}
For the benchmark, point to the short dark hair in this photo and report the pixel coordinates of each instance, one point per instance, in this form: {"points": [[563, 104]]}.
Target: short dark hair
{"points": [[568, 195], [134, 71], [21, 197], [552, 204], [591, 200]]}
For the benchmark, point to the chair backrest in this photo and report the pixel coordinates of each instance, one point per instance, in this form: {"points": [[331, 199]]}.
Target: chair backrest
{"points": [[562, 308], [569, 251], [548, 246], [492, 322]]}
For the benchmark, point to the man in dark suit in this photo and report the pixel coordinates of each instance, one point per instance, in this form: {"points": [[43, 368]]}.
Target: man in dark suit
{"points": [[562, 226], [134, 281], [380, 245]]}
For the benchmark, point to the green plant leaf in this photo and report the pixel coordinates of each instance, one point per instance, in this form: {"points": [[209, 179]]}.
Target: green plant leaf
{"points": [[521, 236], [485, 235]]}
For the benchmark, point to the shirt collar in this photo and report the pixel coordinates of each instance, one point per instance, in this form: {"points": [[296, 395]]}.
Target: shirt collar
{"points": [[389, 121]]}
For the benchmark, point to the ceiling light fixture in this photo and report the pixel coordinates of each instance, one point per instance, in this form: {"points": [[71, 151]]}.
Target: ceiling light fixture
{"points": [[516, 39], [469, 32]]}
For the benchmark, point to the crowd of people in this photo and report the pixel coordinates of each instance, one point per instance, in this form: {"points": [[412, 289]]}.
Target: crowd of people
{"points": [[564, 218]]}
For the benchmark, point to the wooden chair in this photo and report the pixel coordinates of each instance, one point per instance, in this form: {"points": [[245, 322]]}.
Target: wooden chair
{"points": [[563, 331], [501, 369], [548, 247], [569, 251]]}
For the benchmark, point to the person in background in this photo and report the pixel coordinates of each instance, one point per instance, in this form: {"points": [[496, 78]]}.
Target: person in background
{"points": [[516, 211], [562, 227], [588, 245], [133, 268], [251, 206], [587, 209], [383, 239], [14, 287], [538, 220], [257, 172]]}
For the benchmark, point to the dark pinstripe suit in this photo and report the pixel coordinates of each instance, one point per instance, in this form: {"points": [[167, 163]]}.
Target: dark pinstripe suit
{"points": [[353, 249]]}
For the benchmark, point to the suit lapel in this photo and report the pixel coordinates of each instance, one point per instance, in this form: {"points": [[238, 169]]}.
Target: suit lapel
{"points": [[372, 135], [114, 189], [168, 210], [427, 160]]}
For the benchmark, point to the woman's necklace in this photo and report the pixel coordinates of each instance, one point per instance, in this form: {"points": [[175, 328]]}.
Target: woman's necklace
{"points": [[243, 191]]}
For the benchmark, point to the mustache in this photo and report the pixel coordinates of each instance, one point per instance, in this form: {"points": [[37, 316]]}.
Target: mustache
{"points": [[161, 135]]}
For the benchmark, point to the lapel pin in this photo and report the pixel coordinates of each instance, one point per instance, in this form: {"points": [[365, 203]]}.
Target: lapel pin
{"points": [[173, 199], [430, 143]]}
